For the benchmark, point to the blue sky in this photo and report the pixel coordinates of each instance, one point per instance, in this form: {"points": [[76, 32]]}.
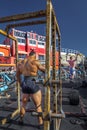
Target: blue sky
{"points": [[71, 16]]}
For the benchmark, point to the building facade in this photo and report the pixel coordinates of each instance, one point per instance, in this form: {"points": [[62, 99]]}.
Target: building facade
{"points": [[30, 40]]}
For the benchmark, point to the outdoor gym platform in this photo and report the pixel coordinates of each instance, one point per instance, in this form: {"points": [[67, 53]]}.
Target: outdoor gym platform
{"points": [[73, 120]]}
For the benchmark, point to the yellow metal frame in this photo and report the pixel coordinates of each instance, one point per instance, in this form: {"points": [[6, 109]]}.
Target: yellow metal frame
{"points": [[6, 65], [3, 121], [52, 27]]}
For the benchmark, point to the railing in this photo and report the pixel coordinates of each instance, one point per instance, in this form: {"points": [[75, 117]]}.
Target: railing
{"points": [[66, 50]]}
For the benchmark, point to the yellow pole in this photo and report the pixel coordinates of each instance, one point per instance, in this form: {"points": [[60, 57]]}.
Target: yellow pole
{"points": [[48, 44], [55, 89], [18, 87]]}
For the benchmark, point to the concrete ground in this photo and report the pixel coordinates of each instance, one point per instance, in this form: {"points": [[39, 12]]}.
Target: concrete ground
{"points": [[7, 106]]}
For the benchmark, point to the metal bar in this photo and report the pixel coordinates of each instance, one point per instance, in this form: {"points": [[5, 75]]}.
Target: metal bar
{"points": [[55, 106], [13, 38], [3, 121], [17, 83], [59, 97], [53, 81], [73, 114], [60, 94], [59, 45], [50, 115], [48, 43], [24, 24], [55, 115], [18, 87], [15, 113], [18, 94], [54, 63], [8, 35], [24, 16], [57, 94], [56, 23], [5, 65]]}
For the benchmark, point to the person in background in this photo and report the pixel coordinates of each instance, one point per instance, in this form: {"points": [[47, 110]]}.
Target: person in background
{"points": [[27, 71], [72, 64]]}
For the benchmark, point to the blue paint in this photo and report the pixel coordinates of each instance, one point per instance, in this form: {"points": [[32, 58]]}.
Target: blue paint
{"points": [[3, 88], [7, 78]]}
